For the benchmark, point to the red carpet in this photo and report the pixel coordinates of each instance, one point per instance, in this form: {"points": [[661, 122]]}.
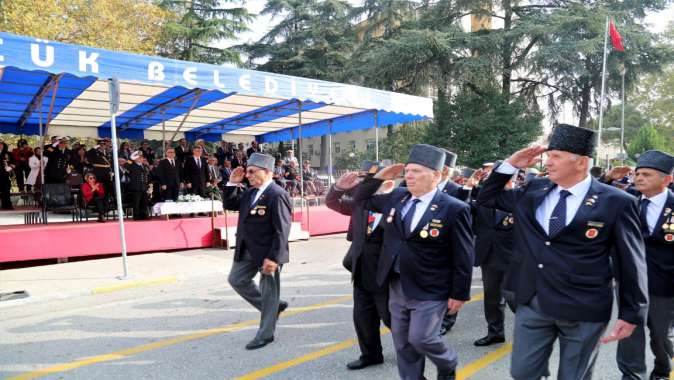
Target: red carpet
{"points": [[34, 242]]}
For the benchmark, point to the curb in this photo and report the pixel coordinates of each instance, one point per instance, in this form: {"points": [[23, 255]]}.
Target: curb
{"points": [[135, 284]]}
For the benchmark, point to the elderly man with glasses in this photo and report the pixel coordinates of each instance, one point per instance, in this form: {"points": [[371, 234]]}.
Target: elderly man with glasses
{"points": [[261, 241]]}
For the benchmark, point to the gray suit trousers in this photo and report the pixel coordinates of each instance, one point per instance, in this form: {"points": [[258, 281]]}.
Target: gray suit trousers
{"points": [[265, 298], [534, 337], [632, 351], [415, 327]]}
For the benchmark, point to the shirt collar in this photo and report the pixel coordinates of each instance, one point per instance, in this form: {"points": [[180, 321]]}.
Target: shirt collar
{"points": [[579, 189], [264, 187], [428, 197], [658, 200], [442, 184]]}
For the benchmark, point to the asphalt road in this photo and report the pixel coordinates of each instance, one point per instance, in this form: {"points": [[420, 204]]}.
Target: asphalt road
{"points": [[197, 330]]}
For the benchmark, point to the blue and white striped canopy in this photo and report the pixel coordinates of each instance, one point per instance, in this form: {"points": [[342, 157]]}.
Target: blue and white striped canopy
{"points": [[67, 84]]}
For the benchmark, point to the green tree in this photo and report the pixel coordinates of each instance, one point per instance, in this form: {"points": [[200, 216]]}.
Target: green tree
{"points": [[314, 39], [130, 25], [397, 146], [648, 138], [199, 24], [482, 127]]}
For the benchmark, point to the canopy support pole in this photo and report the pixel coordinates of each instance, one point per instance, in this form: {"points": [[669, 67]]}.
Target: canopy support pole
{"points": [[163, 133], [376, 135], [194, 104], [301, 162], [113, 88], [330, 179]]}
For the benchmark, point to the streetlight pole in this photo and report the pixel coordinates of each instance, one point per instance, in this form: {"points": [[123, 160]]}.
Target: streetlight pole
{"points": [[622, 116]]}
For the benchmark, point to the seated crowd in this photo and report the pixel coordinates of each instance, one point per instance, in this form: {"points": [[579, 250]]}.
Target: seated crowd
{"points": [[145, 177]]}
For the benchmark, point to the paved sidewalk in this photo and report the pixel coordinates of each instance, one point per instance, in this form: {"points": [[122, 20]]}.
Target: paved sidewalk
{"points": [[97, 276]]}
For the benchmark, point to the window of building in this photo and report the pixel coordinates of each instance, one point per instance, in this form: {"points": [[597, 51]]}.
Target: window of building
{"points": [[352, 145], [338, 148], [370, 145]]}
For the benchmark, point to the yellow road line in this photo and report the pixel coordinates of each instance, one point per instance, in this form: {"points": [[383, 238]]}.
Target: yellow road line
{"points": [[169, 342], [477, 365], [324, 352], [135, 284]]}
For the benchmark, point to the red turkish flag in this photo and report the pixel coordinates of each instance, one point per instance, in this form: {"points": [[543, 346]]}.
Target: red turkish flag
{"points": [[615, 37]]}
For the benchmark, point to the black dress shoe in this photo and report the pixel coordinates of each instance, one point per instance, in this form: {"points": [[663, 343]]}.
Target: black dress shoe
{"points": [[362, 363], [447, 375], [489, 340], [444, 329], [258, 343], [281, 307]]}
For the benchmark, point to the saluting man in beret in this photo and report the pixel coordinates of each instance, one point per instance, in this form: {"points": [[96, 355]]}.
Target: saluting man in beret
{"points": [[656, 206], [567, 227], [261, 241], [426, 259]]}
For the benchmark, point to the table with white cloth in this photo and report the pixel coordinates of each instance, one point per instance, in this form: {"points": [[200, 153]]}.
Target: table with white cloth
{"points": [[173, 208]]}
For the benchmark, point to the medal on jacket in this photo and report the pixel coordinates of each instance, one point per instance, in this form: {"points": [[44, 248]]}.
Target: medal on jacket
{"points": [[669, 238], [253, 211], [389, 219], [424, 232], [591, 233]]}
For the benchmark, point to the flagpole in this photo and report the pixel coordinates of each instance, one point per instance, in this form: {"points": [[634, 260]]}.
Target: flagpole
{"points": [[603, 86]]}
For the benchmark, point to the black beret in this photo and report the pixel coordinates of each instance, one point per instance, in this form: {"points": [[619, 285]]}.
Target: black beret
{"points": [[572, 139], [428, 156], [654, 159], [367, 166], [450, 158]]}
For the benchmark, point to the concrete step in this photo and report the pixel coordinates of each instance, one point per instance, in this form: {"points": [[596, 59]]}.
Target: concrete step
{"points": [[296, 233]]}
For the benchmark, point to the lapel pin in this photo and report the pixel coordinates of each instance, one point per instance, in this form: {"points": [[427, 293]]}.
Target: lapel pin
{"points": [[669, 238], [261, 212], [435, 232], [253, 211], [423, 234]]}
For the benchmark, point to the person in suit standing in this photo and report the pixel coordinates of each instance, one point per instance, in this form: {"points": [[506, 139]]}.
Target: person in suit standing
{"points": [[427, 259], [6, 167], [137, 187], [493, 249], [366, 233], [567, 226], [58, 156], [183, 152], [653, 175], [168, 172], [214, 173], [461, 193], [261, 241], [196, 172], [226, 171]]}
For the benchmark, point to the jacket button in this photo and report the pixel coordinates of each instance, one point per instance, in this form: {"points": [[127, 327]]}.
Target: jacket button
{"points": [[547, 243], [540, 266]]}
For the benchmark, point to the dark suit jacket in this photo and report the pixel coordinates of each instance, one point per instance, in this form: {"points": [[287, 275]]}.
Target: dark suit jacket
{"points": [[169, 175], [263, 236], [660, 254], [363, 255], [195, 175], [139, 177], [435, 268], [457, 191], [570, 272], [493, 236], [183, 154]]}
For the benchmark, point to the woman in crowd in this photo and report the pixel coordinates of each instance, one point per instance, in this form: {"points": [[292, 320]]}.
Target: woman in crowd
{"points": [[93, 191], [34, 181], [79, 161], [125, 151]]}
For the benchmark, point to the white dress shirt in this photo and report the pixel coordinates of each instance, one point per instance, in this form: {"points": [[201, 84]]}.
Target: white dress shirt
{"points": [[654, 209], [544, 211], [424, 201], [260, 190], [442, 184]]}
